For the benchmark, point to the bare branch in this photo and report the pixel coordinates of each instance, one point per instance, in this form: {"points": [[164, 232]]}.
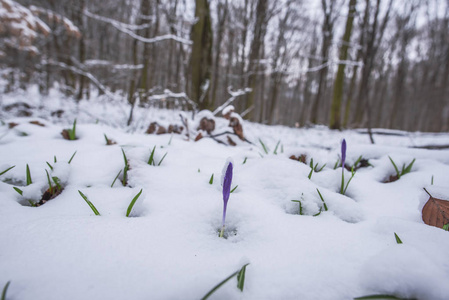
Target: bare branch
{"points": [[125, 29], [234, 94]]}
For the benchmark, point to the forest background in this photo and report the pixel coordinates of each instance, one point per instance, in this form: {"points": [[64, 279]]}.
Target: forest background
{"points": [[342, 63]]}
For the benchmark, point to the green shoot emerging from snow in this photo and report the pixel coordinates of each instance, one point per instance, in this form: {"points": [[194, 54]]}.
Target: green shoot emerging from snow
{"points": [[314, 168], [240, 281], [57, 182], [131, 205], [28, 175], [300, 212], [72, 132], [5, 290], [116, 178], [345, 187], [398, 240], [3, 172], [151, 160], [71, 158], [404, 170], [265, 149], [211, 180], [322, 199], [275, 152], [89, 203], [234, 188], [446, 227], [18, 190], [50, 187], [125, 169]]}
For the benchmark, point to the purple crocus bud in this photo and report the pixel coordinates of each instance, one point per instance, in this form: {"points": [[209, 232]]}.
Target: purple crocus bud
{"points": [[226, 182], [343, 153]]}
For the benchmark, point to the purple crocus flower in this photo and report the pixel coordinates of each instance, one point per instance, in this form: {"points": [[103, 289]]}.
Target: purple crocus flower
{"points": [[343, 153], [227, 180]]}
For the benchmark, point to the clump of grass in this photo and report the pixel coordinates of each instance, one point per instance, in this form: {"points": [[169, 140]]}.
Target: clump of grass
{"points": [[152, 161], [314, 168], [361, 163], [405, 169], [446, 227], [267, 150], [240, 281], [52, 191], [70, 134], [94, 209], [133, 201]]}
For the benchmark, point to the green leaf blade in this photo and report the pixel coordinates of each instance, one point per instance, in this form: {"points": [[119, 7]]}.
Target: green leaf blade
{"points": [[5, 290], [398, 240], [94, 209], [71, 158], [211, 180], [28, 175], [3, 172], [133, 201]]}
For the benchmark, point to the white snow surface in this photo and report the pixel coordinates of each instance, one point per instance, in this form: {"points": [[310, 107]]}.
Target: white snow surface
{"points": [[170, 248]]}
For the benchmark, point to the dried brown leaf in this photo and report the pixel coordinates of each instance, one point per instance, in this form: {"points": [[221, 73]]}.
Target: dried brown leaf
{"points": [[65, 134], [436, 212]]}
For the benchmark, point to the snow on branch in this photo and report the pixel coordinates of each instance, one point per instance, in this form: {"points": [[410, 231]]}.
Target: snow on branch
{"points": [[106, 63], [91, 77], [57, 18], [169, 94], [234, 94], [125, 28]]}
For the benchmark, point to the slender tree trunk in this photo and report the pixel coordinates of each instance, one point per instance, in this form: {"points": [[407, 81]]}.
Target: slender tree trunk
{"points": [[201, 56], [256, 48], [339, 79]]}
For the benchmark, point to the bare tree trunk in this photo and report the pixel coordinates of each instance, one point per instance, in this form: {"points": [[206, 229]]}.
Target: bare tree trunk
{"points": [[201, 56], [327, 35], [222, 17], [339, 79], [255, 55]]}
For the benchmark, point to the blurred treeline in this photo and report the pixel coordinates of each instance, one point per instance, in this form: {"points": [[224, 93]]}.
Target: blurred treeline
{"points": [[342, 63]]}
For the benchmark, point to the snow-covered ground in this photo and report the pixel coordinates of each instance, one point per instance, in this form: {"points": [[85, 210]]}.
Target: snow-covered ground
{"points": [[170, 249]]}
